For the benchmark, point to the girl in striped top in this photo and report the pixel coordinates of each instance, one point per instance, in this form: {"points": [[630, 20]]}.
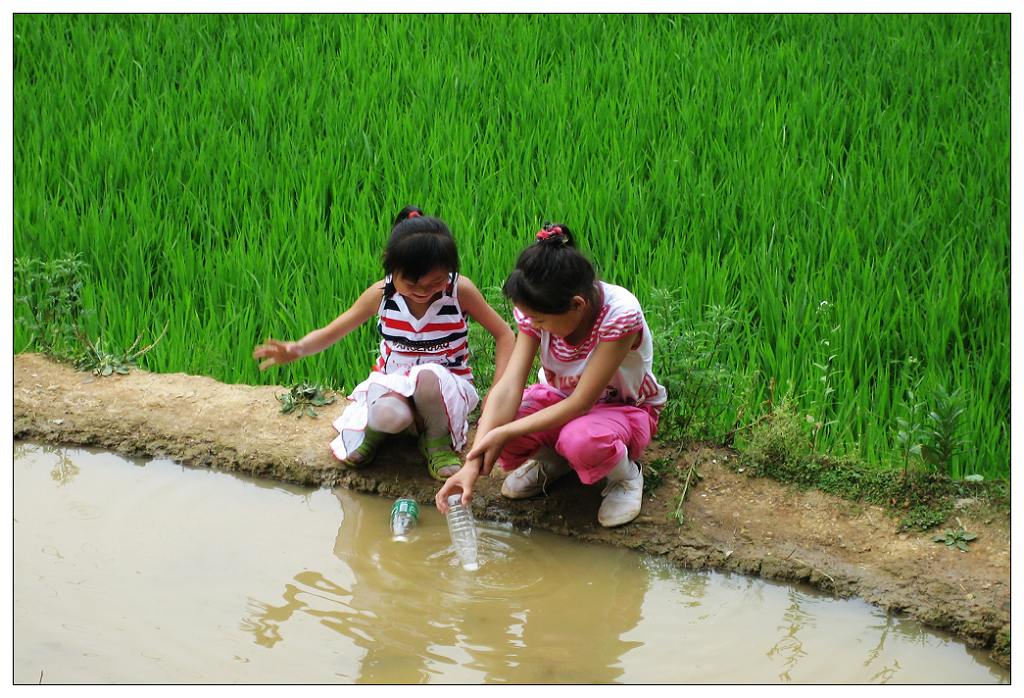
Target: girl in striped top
{"points": [[422, 379], [595, 406]]}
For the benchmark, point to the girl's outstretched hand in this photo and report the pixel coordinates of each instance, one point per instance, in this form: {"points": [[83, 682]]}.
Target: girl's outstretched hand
{"points": [[276, 353], [462, 480]]}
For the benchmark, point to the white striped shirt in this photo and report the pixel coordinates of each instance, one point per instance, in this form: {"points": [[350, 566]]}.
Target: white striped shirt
{"points": [[441, 336]]}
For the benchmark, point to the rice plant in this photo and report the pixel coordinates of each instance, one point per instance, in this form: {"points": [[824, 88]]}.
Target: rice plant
{"points": [[233, 177]]}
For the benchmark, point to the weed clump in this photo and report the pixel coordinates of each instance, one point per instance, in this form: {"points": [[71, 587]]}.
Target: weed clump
{"points": [[1002, 643], [50, 294], [780, 446], [301, 399], [706, 393], [923, 518]]}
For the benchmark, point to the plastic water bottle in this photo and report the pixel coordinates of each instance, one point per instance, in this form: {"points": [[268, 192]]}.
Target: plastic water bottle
{"points": [[462, 528], [404, 515]]}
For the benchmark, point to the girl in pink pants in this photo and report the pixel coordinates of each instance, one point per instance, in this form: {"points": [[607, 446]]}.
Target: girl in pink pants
{"points": [[595, 407], [593, 444]]}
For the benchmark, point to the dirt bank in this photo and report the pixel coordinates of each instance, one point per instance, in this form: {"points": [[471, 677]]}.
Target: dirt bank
{"points": [[734, 523]]}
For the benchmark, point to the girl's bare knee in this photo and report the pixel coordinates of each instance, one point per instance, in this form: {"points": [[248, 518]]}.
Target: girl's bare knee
{"points": [[427, 387], [389, 413]]}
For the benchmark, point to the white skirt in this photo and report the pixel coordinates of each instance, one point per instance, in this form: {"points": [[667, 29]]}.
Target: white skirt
{"points": [[459, 396]]}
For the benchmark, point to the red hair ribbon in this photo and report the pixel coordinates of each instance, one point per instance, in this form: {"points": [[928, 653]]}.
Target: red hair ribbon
{"points": [[547, 233], [412, 214]]}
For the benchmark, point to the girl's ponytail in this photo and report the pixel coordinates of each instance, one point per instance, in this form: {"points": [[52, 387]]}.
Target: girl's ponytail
{"points": [[407, 213], [555, 234]]}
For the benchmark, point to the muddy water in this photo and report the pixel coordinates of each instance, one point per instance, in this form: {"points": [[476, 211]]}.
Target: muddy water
{"points": [[133, 571]]}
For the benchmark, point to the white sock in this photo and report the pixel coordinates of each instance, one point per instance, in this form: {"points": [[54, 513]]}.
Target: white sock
{"points": [[624, 470], [390, 414]]}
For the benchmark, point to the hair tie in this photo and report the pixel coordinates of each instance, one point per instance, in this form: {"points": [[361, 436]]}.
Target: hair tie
{"points": [[412, 214], [550, 233]]}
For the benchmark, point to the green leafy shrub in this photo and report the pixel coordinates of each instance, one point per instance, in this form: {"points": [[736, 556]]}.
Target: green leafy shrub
{"points": [[959, 539], [49, 293], [691, 361], [778, 446], [923, 518], [942, 441]]}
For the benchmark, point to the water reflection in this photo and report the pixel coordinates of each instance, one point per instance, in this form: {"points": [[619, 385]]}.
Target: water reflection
{"points": [[64, 469], [691, 586], [790, 647], [321, 602], [887, 673], [418, 616], [908, 632], [875, 652]]}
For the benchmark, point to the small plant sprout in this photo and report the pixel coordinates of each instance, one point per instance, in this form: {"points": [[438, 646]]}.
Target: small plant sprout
{"points": [[655, 471], [302, 398], [678, 515], [958, 538], [823, 399], [910, 432], [942, 439], [92, 357]]}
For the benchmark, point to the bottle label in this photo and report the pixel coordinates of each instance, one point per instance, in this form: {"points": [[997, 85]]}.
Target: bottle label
{"points": [[406, 506]]}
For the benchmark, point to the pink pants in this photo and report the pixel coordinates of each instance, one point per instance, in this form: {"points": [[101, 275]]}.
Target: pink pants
{"points": [[593, 444]]}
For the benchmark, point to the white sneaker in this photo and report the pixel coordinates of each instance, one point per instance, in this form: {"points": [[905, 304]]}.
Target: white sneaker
{"points": [[533, 476], [622, 499]]}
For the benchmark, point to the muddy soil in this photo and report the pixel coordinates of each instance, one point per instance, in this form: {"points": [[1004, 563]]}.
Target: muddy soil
{"points": [[734, 523]]}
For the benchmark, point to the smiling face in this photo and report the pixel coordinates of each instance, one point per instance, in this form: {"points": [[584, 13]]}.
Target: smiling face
{"points": [[564, 325], [424, 289]]}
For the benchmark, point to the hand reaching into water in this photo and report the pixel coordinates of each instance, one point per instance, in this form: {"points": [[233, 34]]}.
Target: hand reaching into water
{"points": [[277, 353], [480, 460], [462, 480]]}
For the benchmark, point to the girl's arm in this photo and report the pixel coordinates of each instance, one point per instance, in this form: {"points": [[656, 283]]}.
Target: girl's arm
{"points": [[600, 369], [480, 310], [503, 402], [277, 352]]}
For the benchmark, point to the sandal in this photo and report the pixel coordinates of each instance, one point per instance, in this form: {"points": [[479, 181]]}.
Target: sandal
{"points": [[366, 451], [442, 461]]}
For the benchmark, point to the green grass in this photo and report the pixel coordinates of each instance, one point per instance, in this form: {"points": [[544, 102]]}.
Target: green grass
{"points": [[233, 177]]}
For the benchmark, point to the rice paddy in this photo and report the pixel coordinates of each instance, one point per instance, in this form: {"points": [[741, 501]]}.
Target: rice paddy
{"points": [[843, 181]]}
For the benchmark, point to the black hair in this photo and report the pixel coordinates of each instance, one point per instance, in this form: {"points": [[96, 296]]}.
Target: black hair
{"points": [[550, 272], [419, 244]]}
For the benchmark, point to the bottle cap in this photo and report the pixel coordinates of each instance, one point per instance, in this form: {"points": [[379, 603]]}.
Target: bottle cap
{"points": [[407, 506]]}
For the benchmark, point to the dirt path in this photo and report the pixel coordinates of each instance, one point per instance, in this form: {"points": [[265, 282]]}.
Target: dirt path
{"points": [[733, 523]]}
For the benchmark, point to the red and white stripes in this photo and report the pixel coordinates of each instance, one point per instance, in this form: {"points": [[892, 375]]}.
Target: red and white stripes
{"points": [[441, 336]]}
